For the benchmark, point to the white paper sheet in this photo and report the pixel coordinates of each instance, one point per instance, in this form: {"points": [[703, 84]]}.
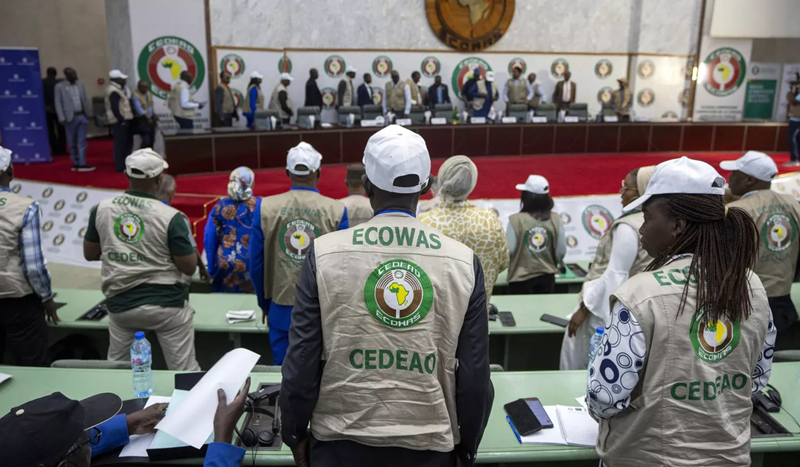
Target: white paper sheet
{"points": [[138, 444], [547, 435], [572, 426], [193, 421], [4, 377], [582, 401], [164, 440]]}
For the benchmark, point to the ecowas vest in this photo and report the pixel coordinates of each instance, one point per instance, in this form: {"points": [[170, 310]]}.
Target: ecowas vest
{"points": [[246, 101], [535, 254], [517, 92], [124, 104], [776, 217], [12, 212], [291, 222], [174, 102], [134, 243], [347, 98], [275, 103], [603, 254], [691, 406], [359, 210], [395, 97], [145, 100], [393, 294], [228, 104]]}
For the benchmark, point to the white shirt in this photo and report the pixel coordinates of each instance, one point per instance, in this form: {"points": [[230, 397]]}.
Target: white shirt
{"points": [[624, 249], [409, 101], [566, 91], [186, 100]]}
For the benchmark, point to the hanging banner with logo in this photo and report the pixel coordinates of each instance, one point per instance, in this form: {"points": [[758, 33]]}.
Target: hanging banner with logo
{"points": [[167, 44], [660, 86], [721, 78], [23, 127], [762, 85], [791, 73]]}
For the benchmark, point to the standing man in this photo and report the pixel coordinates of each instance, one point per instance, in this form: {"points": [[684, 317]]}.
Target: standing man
{"points": [[437, 94], [564, 94], [224, 103], [120, 116], [284, 228], [517, 90], [388, 357], [365, 96], [793, 112], [25, 293], [166, 193], [483, 94], [621, 100], [394, 96], [145, 118], [776, 217], [254, 101], [411, 93], [346, 96], [55, 132], [313, 96], [280, 99], [476, 76], [148, 261], [73, 111], [181, 104], [538, 94], [358, 208]]}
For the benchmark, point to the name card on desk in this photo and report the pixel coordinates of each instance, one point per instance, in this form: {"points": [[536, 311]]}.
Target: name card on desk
{"points": [[368, 123], [572, 119], [478, 120], [509, 120], [539, 119], [439, 121], [611, 119], [403, 121]]}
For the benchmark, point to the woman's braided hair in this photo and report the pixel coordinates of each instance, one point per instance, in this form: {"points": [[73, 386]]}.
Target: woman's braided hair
{"points": [[724, 242]]}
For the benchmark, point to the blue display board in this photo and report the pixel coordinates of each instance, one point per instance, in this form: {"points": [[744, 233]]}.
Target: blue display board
{"points": [[23, 126]]}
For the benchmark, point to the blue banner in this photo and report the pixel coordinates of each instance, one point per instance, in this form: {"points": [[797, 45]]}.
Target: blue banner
{"points": [[23, 126]]}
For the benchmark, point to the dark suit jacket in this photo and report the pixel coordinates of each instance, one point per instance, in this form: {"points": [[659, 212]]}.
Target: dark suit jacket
{"points": [[313, 96], [433, 97], [560, 92], [365, 95]]}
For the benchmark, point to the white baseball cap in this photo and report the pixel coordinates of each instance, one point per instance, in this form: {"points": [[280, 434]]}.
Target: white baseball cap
{"points": [[148, 162], [303, 154], [350, 69], [256, 74], [535, 184], [490, 76], [681, 176], [753, 163], [117, 74], [396, 152], [286, 76], [5, 159]]}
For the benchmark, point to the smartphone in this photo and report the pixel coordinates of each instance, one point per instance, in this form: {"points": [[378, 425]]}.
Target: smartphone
{"points": [[555, 320], [507, 319], [538, 410], [522, 417]]}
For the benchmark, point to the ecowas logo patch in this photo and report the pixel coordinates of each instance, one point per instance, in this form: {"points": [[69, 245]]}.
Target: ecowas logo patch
{"points": [[129, 227], [296, 237], [725, 70], [233, 64], [596, 220], [398, 294], [713, 341], [382, 66], [778, 232], [537, 239], [162, 61]]}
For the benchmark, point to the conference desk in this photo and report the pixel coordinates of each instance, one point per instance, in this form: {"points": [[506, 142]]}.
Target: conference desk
{"points": [[565, 283], [203, 151], [499, 445]]}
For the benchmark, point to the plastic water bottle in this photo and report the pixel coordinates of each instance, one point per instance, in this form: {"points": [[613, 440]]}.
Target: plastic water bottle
{"points": [[594, 344], [141, 363]]}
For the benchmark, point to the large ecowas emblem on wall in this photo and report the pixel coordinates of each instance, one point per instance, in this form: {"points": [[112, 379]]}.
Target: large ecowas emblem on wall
{"points": [[469, 25], [162, 61]]}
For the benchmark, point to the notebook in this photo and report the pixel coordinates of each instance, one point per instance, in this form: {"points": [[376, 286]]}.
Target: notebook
{"points": [[572, 426]]}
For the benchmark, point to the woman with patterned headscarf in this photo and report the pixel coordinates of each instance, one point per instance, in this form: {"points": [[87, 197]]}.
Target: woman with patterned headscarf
{"points": [[227, 235]]}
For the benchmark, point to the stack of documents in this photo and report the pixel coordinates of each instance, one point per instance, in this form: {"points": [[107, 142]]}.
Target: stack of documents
{"points": [[572, 426], [240, 316]]}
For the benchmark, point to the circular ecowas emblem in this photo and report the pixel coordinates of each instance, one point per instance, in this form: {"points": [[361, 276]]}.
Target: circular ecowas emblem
{"points": [[58, 240], [464, 70], [70, 218], [328, 97], [59, 205], [82, 232], [48, 192], [469, 25], [669, 114], [233, 64], [604, 95], [284, 65], [382, 66], [646, 69], [430, 67], [377, 95], [16, 187], [81, 196], [334, 66], [47, 226], [162, 61], [565, 218], [572, 242], [296, 237], [713, 341], [725, 70], [517, 62], [537, 239], [596, 220], [238, 98], [646, 97], [559, 67], [778, 232], [398, 294], [683, 98], [129, 227], [603, 68]]}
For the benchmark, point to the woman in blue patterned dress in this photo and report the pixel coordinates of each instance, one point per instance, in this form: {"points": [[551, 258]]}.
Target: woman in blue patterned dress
{"points": [[227, 235]]}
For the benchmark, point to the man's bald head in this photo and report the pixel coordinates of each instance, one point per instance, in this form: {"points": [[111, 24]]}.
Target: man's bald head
{"points": [[166, 189]]}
